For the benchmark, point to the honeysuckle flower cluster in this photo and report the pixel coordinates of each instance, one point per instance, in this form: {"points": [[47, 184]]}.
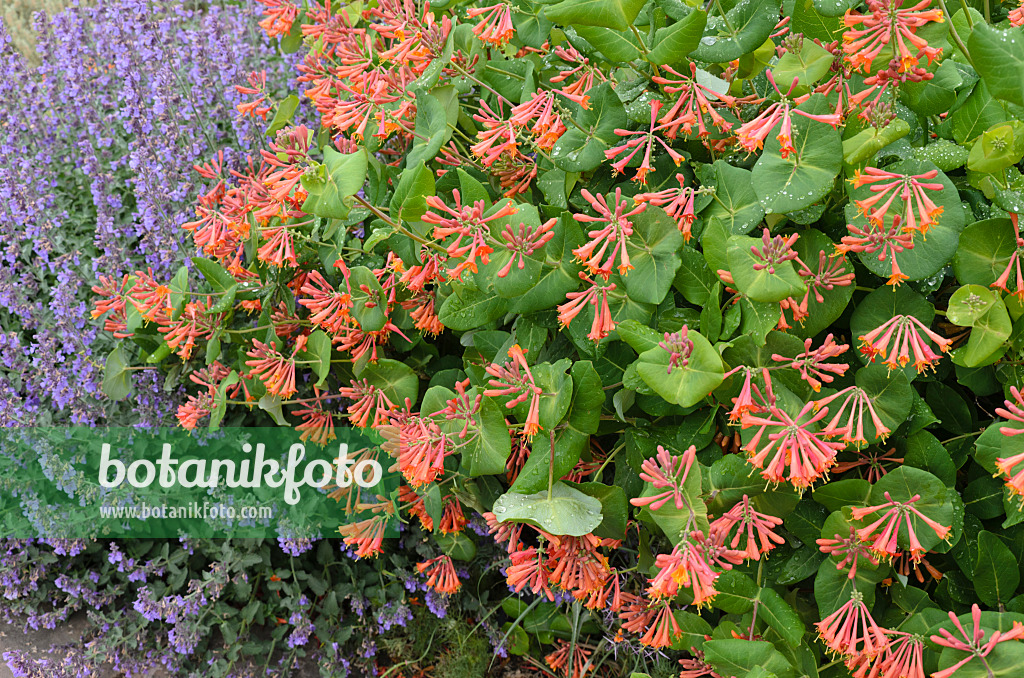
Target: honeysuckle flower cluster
{"points": [[415, 260]]}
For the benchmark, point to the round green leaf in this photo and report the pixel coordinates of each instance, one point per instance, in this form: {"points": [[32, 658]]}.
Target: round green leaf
{"points": [[685, 386], [984, 251], [806, 176], [567, 511], [932, 251]]}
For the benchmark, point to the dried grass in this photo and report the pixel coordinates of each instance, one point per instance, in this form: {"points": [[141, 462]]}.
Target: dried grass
{"points": [[17, 17]]}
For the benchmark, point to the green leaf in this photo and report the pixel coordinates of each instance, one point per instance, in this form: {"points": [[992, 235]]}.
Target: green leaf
{"points": [[615, 14], [432, 129], [997, 148], [283, 115], [674, 42], [566, 512], [804, 177], [694, 279], [394, 378], [488, 451], [331, 187], [652, 252], [863, 146], [758, 319], [517, 281], [997, 573], [745, 27], [839, 493], [368, 307], [318, 348], [740, 658], [640, 337], [983, 310], [821, 315], [685, 385], [619, 46], [766, 284], [582, 147], [409, 203], [693, 628], [902, 484], [978, 113], [469, 308], [935, 96], [180, 292], [735, 202], [998, 56], [808, 65], [271, 404], [832, 587], [116, 375], [614, 508]]}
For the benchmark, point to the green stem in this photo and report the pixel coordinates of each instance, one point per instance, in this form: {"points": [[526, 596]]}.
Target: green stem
{"points": [[956, 36], [967, 13], [551, 467]]}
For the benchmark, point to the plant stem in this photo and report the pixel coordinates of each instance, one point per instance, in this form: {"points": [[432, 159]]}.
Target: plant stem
{"points": [[956, 36], [551, 466]]}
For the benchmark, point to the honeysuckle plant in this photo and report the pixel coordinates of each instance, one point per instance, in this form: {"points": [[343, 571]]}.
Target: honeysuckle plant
{"points": [[712, 312]]}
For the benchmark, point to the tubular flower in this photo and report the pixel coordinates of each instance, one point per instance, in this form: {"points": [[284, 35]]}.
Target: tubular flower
{"points": [[790, 443], [887, 241], [462, 408], [597, 296], [744, 403], [453, 519], [496, 139], [615, 233], [495, 28], [850, 630], [643, 140], [330, 308], [896, 338], [889, 24], [1014, 411], [420, 446], [1013, 266], [276, 371], [874, 460], [524, 243], [194, 324], [585, 74], [903, 658], [758, 528], [530, 568], [811, 364], [683, 566], [695, 101], [608, 596], [920, 212], [774, 251], [317, 423], [897, 513], [857, 399], [540, 110], [368, 400], [465, 222], [368, 535], [851, 549], [974, 643], [1014, 481], [579, 568], [655, 621], [678, 347], [514, 378], [441, 575], [666, 472], [751, 135], [573, 666], [677, 203], [1017, 15]]}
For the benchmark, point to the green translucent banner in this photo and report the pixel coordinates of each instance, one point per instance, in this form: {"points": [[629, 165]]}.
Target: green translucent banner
{"points": [[168, 483]]}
